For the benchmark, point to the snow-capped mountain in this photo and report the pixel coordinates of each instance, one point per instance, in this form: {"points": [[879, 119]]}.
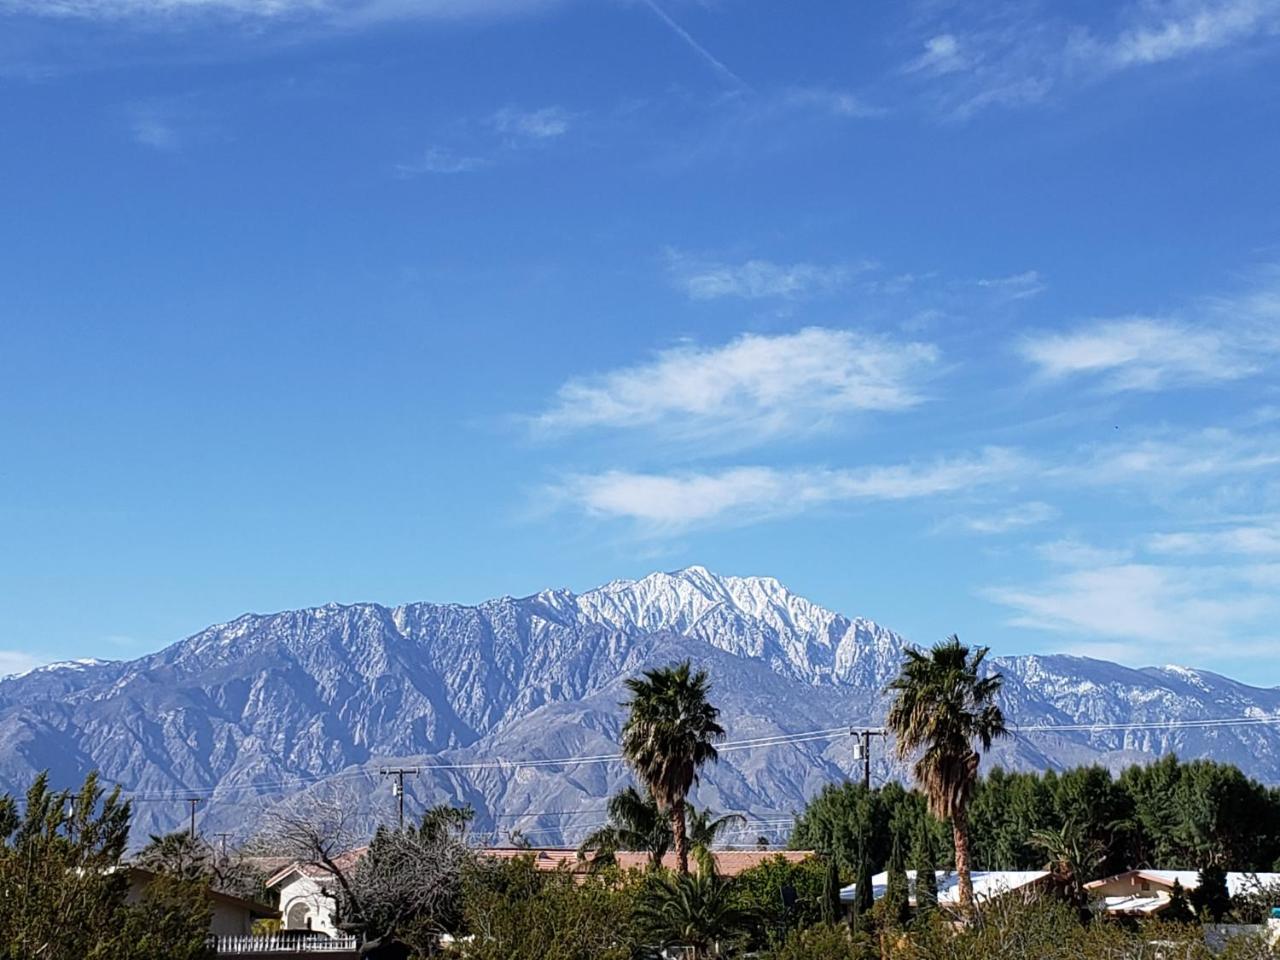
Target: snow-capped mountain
{"points": [[246, 712]]}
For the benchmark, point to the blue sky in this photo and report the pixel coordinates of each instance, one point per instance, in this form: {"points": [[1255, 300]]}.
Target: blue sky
{"points": [[963, 317]]}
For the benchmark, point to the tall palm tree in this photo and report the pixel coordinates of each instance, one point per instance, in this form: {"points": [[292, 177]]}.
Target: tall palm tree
{"points": [[941, 705], [670, 733], [704, 828], [636, 822]]}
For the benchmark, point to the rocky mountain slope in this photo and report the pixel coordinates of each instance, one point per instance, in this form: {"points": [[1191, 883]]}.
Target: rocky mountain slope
{"points": [[247, 712]]}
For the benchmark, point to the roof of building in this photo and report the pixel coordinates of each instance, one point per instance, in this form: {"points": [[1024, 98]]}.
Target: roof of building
{"points": [[1238, 883], [729, 863], [986, 884], [143, 876], [315, 871]]}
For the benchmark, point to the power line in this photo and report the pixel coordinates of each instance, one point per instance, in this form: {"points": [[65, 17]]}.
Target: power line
{"points": [[781, 739]]}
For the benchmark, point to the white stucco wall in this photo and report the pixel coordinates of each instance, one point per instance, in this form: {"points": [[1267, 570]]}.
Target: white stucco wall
{"points": [[301, 898]]}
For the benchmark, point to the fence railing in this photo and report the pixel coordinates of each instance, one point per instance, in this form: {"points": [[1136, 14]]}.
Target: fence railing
{"points": [[282, 943]]}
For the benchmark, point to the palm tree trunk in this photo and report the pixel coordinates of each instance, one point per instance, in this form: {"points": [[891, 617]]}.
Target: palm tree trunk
{"points": [[960, 834], [678, 833]]}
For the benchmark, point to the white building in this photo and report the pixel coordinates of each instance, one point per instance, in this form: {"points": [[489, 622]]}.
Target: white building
{"points": [[987, 884], [308, 894], [1148, 892]]}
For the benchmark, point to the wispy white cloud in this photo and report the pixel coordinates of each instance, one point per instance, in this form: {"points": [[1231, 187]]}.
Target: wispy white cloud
{"points": [[334, 11], [1142, 354], [1171, 459], [546, 123], [1166, 31], [838, 103], [662, 503], [149, 128], [1004, 521], [1256, 539], [942, 54], [1015, 286], [1157, 611], [18, 661], [757, 279], [440, 160], [1069, 552], [756, 385], [1213, 340], [1020, 54]]}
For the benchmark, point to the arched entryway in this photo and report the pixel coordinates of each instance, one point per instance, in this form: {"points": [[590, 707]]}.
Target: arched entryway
{"points": [[298, 916]]}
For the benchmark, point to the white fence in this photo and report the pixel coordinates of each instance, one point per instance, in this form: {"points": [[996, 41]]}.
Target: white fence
{"points": [[282, 943]]}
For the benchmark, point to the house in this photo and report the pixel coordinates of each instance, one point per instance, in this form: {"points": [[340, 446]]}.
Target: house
{"points": [[232, 916], [1137, 893], [987, 885], [729, 863], [307, 893]]}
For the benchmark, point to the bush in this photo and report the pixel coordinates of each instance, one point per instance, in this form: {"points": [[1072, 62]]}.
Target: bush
{"points": [[824, 942], [513, 911]]}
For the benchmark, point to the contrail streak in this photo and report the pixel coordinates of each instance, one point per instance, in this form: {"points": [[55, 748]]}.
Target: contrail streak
{"points": [[702, 51]]}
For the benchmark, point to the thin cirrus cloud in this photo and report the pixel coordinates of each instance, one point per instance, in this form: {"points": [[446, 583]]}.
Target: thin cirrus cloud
{"points": [[545, 123], [662, 503], [1252, 539], [440, 160], [1005, 521], [502, 134], [18, 661], [1213, 340], [1124, 609], [1019, 55], [758, 279], [334, 11], [756, 384]]}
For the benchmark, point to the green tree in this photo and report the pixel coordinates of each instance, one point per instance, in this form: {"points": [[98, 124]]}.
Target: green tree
{"points": [[170, 920], [942, 704], [1178, 910], [704, 829], [63, 891], [864, 896], [831, 908], [636, 822], [925, 865], [698, 911], [178, 855], [670, 733], [777, 895], [514, 911], [1072, 860], [895, 907], [1210, 899]]}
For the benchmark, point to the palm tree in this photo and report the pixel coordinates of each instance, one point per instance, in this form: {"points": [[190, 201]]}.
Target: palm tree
{"points": [[941, 706], [671, 732], [699, 911], [636, 822], [1073, 859], [704, 828]]}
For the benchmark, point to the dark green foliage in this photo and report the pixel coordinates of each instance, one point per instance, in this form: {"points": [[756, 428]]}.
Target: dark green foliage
{"points": [[762, 895], [516, 912], [700, 912], [1210, 899], [860, 919], [670, 733], [843, 817], [63, 892], [171, 921], [831, 907], [825, 942], [1178, 910], [925, 864], [895, 910]]}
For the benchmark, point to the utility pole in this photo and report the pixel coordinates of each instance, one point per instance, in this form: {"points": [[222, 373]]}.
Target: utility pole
{"points": [[194, 801], [862, 751], [397, 788], [223, 838]]}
